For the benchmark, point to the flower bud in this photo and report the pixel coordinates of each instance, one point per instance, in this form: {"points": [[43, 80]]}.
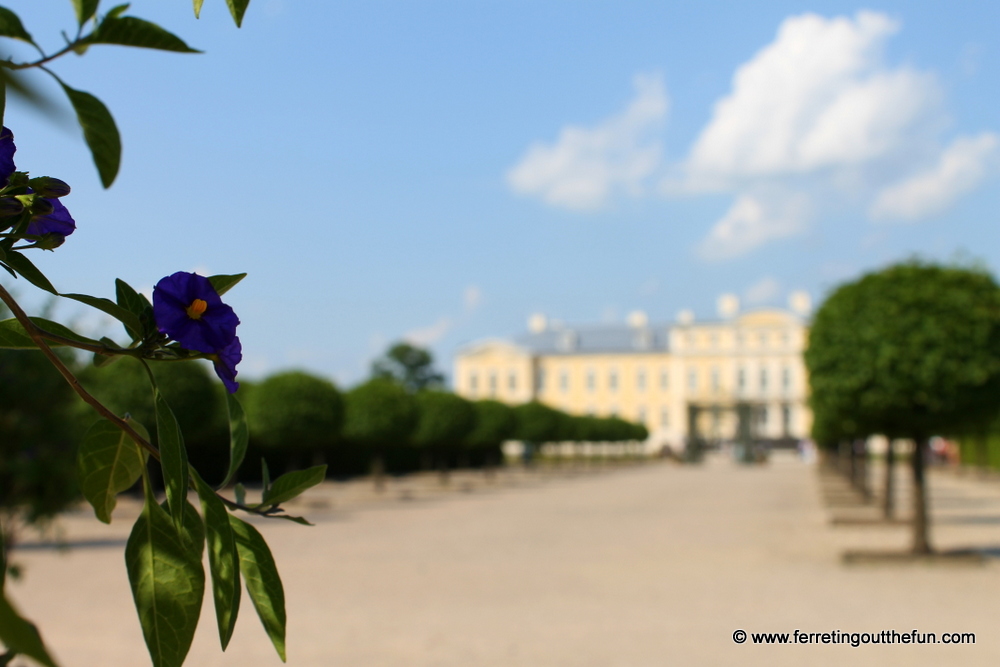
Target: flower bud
{"points": [[41, 206], [10, 206], [46, 186], [50, 241]]}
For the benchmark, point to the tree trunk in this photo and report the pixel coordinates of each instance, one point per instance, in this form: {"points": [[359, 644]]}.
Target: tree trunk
{"points": [[861, 449], [889, 501], [921, 543], [378, 472], [853, 471]]}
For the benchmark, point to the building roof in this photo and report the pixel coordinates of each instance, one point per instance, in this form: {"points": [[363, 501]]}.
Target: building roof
{"points": [[596, 339]]}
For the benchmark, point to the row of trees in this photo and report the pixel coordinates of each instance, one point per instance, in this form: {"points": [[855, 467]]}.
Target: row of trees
{"points": [[399, 420], [908, 352]]}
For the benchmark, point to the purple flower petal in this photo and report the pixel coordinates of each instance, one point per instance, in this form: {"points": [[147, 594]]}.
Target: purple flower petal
{"points": [[211, 331], [7, 149], [225, 364], [59, 221]]}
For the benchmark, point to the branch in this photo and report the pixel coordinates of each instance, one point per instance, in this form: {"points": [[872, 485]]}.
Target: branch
{"points": [[67, 374], [46, 59]]}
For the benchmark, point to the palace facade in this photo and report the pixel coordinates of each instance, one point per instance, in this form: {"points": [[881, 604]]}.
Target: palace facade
{"points": [[732, 378]]}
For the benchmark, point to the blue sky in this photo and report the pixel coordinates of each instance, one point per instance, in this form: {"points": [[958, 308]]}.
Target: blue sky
{"points": [[441, 170]]}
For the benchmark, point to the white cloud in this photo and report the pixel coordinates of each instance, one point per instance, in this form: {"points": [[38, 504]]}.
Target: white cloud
{"points": [[960, 168], [585, 166], [425, 336], [752, 221], [763, 291], [472, 297], [817, 97]]}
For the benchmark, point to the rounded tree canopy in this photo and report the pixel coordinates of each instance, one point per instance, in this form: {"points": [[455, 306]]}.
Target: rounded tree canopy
{"points": [[379, 412], [908, 351], [190, 389], [536, 422], [443, 419], [494, 423], [296, 409]]}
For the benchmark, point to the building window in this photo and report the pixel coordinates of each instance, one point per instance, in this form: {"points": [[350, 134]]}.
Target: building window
{"points": [[664, 379], [763, 379], [613, 412], [715, 339], [640, 415], [640, 380], [692, 379], [591, 410], [591, 382], [664, 417], [786, 420], [540, 380], [785, 339], [763, 339], [564, 381], [512, 381], [741, 379], [786, 378], [473, 382], [763, 416], [493, 384], [715, 378], [739, 339], [613, 380]]}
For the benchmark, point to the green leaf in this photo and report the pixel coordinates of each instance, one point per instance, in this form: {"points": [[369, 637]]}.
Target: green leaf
{"points": [[85, 10], [263, 582], [223, 560], [241, 494], [168, 580], [109, 462], [117, 10], [294, 519], [132, 324], [21, 636], [29, 272], [173, 457], [137, 304], [237, 8], [10, 26], [291, 484], [99, 131], [132, 31], [223, 284], [197, 8], [239, 436], [14, 337]]}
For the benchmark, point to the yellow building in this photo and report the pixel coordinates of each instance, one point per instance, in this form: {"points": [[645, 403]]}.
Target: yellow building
{"points": [[673, 378]]}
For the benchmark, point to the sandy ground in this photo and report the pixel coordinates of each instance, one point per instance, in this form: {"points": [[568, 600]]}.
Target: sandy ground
{"points": [[653, 565]]}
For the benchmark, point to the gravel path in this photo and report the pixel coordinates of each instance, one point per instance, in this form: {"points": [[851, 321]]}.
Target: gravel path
{"points": [[645, 566]]}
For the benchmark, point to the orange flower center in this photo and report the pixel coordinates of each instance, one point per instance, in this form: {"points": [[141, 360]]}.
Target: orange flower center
{"points": [[197, 309]]}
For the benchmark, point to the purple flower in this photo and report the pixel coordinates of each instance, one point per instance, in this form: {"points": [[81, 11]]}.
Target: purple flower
{"points": [[7, 149], [58, 222], [188, 309], [225, 364]]}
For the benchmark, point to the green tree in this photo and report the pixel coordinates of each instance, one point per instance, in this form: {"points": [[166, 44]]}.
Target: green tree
{"points": [[909, 351], [38, 438], [494, 423], [444, 419], [297, 412], [377, 415], [124, 387], [411, 366]]}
